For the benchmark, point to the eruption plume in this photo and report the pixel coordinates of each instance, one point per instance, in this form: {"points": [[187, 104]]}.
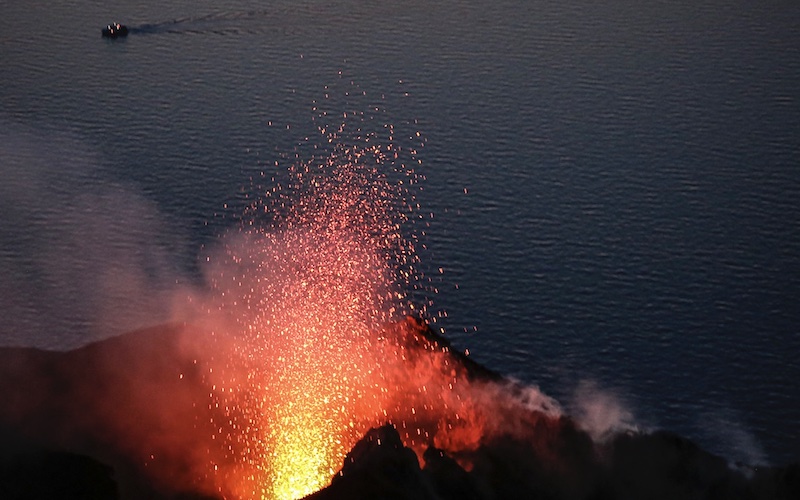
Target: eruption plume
{"points": [[311, 296], [301, 296], [308, 351]]}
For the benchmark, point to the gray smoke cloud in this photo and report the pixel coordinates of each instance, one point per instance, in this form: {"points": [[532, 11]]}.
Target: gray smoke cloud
{"points": [[601, 412], [82, 257]]}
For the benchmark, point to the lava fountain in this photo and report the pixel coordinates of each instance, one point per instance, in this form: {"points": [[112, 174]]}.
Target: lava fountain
{"points": [[319, 265], [309, 305]]}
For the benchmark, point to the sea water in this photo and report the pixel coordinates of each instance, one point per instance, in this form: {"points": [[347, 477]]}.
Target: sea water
{"points": [[611, 194]]}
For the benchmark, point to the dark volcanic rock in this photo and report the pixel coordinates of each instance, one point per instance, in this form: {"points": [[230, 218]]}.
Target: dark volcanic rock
{"points": [[139, 404], [643, 466], [55, 475], [130, 402], [449, 480], [379, 466], [663, 465]]}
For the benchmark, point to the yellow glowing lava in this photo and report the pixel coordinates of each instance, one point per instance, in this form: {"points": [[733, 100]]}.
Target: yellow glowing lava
{"points": [[313, 301], [302, 295], [302, 459]]}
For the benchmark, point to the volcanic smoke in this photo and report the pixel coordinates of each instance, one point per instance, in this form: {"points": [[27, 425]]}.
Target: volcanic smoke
{"points": [[309, 299], [308, 347]]}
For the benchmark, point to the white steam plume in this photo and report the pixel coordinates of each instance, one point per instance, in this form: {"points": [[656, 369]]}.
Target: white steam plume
{"points": [[600, 412]]}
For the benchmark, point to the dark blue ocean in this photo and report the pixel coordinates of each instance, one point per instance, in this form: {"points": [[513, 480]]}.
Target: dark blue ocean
{"points": [[614, 186]]}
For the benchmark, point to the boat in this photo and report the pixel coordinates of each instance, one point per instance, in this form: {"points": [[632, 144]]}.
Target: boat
{"points": [[115, 30]]}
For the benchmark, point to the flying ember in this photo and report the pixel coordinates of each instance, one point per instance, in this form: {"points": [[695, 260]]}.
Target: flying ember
{"points": [[311, 312], [321, 263]]}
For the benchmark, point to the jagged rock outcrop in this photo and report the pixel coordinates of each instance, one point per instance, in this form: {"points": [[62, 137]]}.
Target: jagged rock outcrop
{"points": [[653, 466], [48, 475], [129, 418]]}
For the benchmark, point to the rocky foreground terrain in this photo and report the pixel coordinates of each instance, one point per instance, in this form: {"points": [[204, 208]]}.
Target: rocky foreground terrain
{"points": [[121, 419]]}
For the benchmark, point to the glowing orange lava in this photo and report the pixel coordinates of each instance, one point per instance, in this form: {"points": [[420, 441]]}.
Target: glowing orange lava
{"points": [[313, 302], [302, 296]]}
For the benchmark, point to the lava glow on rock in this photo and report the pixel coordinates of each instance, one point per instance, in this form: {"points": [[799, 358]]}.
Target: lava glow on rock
{"points": [[308, 307], [301, 296]]}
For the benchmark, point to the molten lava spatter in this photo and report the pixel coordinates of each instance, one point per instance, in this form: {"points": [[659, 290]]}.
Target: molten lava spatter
{"points": [[319, 266], [310, 300]]}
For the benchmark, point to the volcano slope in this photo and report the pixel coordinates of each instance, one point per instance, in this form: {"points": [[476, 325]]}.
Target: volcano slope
{"points": [[133, 417]]}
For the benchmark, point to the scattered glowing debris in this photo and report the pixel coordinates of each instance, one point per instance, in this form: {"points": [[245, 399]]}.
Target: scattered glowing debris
{"points": [[310, 297]]}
